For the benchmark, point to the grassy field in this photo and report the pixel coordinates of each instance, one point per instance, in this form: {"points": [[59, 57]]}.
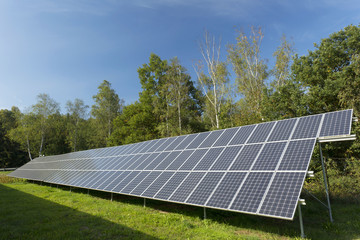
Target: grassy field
{"points": [[32, 211]]}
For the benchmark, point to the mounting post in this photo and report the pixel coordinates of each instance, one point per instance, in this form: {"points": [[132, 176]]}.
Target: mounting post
{"points": [[70, 188], [301, 221], [144, 202], [325, 183], [111, 196], [204, 213], [88, 191]]}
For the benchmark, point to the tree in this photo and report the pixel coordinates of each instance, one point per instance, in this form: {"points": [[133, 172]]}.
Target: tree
{"points": [[183, 99], [107, 107], [283, 56], [249, 67], [77, 112], [329, 72], [154, 101], [212, 75], [42, 110], [11, 154]]}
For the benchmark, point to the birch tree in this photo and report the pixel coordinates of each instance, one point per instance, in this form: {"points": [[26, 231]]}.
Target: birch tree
{"points": [[249, 67], [77, 111], [283, 56], [212, 75], [44, 107]]}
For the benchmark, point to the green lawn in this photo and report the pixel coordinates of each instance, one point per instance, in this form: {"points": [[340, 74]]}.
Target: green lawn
{"points": [[32, 211]]}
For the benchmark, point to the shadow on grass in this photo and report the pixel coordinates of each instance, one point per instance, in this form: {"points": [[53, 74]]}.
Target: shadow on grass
{"points": [[24, 216], [316, 219]]}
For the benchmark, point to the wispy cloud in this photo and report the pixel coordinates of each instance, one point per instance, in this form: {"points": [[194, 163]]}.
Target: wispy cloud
{"points": [[229, 8]]}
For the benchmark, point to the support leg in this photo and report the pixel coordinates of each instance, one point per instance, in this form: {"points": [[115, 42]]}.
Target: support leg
{"points": [[111, 196], [325, 183], [70, 189], [88, 191], [144, 202], [204, 213], [301, 222]]}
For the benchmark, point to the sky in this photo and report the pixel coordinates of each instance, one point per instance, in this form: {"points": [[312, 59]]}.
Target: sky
{"points": [[67, 48]]}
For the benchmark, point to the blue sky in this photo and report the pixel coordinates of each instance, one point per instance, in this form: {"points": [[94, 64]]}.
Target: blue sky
{"points": [[66, 48]]}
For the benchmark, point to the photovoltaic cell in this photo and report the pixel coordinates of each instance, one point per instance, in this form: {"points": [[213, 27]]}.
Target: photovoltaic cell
{"points": [[225, 138], [226, 190], [297, 155], [226, 158], [145, 183], [283, 195], [209, 141], [282, 130], [242, 135], [175, 143], [269, 156], [336, 123], [209, 158], [116, 181], [183, 191], [157, 161], [157, 184], [180, 160], [186, 142], [261, 132], [251, 192], [193, 159], [307, 127], [205, 188], [246, 157], [171, 185], [125, 181], [198, 140], [168, 160], [147, 161], [134, 182]]}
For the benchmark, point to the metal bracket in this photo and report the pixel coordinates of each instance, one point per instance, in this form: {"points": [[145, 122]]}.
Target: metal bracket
{"points": [[310, 174], [337, 138]]}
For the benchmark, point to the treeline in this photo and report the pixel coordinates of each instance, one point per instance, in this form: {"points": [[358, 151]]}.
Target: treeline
{"points": [[171, 103]]}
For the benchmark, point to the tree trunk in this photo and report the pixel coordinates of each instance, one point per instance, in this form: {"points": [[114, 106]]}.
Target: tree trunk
{"points": [[179, 111], [28, 147], [41, 144]]}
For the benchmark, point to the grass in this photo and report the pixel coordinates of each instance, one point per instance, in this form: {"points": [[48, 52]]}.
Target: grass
{"points": [[32, 211]]}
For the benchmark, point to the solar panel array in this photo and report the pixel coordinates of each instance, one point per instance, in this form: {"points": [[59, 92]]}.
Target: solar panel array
{"points": [[257, 169]]}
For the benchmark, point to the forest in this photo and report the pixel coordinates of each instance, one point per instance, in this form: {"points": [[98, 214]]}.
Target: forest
{"points": [[236, 89]]}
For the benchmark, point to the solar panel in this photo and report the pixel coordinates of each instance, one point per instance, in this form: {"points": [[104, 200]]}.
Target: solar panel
{"points": [[257, 169]]}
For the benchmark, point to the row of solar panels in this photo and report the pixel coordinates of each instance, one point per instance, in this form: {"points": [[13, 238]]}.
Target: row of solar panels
{"points": [[234, 191], [219, 158], [256, 169], [334, 123]]}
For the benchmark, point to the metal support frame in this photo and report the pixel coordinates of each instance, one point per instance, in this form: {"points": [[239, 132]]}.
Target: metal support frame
{"points": [[111, 196], [144, 202], [301, 221], [70, 188], [204, 213], [325, 183]]}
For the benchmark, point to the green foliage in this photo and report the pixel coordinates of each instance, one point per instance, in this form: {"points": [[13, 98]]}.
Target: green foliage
{"points": [[249, 67], [106, 108], [325, 73], [11, 154], [76, 124]]}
